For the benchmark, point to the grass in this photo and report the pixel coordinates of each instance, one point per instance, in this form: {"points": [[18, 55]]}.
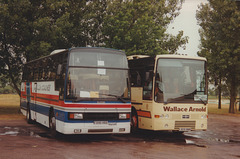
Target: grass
{"points": [[10, 108], [215, 97], [213, 109]]}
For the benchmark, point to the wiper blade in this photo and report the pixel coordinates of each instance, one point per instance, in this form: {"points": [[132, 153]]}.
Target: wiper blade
{"points": [[112, 95], [169, 100], [82, 99], [204, 102], [202, 98]]}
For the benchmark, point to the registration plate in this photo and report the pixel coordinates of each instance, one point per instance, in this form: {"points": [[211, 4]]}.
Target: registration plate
{"points": [[184, 129], [100, 122]]}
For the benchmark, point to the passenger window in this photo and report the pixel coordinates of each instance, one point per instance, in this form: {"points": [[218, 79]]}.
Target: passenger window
{"points": [[158, 92], [136, 77], [148, 85]]}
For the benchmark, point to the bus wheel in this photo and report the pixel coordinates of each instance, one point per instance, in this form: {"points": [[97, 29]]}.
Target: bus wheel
{"points": [[28, 116], [134, 122], [52, 124]]}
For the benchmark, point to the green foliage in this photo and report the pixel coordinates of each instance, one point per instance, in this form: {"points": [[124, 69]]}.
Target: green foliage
{"points": [[30, 29], [7, 90], [5, 87], [220, 42], [139, 27], [27, 31]]}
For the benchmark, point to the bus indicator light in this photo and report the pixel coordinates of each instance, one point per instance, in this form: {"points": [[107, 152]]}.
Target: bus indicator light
{"points": [[128, 116], [71, 116]]}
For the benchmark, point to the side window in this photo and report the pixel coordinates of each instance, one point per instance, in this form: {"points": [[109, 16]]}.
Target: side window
{"points": [[40, 74], [25, 73], [52, 68], [45, 69], [48, 69], [61, 81], [141, 75], [58, 72], [31, 72], [136, 77], [35, 74], [158, 92], [148, 84], [60, 63]]}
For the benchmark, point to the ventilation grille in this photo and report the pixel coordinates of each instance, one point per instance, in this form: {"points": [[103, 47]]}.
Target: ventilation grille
{"points": [[100, 116], [100, 130], [185, 124]]}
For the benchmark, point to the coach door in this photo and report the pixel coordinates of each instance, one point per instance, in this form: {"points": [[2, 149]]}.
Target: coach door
{"points": [[34, 115]]}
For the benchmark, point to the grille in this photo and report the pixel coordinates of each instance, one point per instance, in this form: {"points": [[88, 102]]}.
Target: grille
{"points": [[185, 124], [100, 116]]}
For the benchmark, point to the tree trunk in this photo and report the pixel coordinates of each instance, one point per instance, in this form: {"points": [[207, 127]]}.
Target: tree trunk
{"points": [[232, 103], [15, 86], [233, 95], [17, 89], [220, 95], [239, 98], [14, 82]]}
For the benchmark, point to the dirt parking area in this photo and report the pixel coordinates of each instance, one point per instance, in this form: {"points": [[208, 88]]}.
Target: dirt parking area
{"points": [[21, 140]]}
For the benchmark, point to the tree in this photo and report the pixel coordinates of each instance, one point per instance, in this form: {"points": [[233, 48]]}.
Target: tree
{"points": [[139, 27], [220, 27], [30, 29]]}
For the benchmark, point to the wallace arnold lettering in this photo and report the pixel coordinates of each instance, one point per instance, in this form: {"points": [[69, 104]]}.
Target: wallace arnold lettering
{"points": [[190, 109]]}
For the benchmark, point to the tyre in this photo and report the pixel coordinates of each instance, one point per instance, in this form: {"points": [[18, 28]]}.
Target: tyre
{"points": [[28, 115], [134, 122], [52, 124]]}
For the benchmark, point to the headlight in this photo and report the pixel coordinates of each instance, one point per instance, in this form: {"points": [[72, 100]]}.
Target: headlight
{"points": [[162, 116], [204, 116], [75, 115], [124, 116]]}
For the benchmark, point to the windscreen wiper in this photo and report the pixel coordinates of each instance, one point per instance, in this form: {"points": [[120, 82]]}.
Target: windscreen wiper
{"points": [[83, 99], [204, 102], [169, 100], [112, 95]]}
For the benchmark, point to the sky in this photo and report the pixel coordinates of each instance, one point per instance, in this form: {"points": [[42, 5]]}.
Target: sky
{"points": [[187, 22]]}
